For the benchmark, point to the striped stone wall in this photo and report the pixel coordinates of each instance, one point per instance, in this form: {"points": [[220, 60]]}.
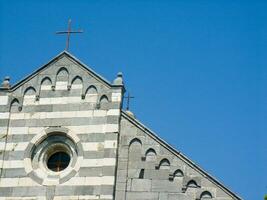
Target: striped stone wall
{"points": [[61, 95]]}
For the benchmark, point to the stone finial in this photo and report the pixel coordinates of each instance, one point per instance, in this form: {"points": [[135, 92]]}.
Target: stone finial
{"points": [[6, 83], [130, 113], [118, 80]]}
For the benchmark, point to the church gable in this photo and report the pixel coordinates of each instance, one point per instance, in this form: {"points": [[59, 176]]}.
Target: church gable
{"points": [[58, 133], [150, 169], [68, 77]]}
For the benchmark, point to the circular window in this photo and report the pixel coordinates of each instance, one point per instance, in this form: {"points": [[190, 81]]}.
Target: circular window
{"points": [[53, 157], [58, 161]]}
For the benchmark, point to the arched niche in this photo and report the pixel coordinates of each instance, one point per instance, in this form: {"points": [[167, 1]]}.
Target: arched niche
{"points": [[76, 86], [91, 94], [164, 164], [46, 84], [178, 174], [77, 81], [103, 102], [135, 149], [205, 195], [62, 79], [151, 155], [103, 99], [15, 106], [192, 184], [29, 96], [29, 91]]}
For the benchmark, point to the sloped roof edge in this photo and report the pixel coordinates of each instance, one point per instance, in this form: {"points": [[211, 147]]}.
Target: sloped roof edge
{"points": [[177, 153], [84, 66]]}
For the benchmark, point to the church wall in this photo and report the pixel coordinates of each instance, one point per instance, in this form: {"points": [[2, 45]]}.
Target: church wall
{"points": [[149, 170], [64, 98]]}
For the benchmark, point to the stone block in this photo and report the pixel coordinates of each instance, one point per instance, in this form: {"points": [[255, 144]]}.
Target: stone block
{"points": [[141, 185]]}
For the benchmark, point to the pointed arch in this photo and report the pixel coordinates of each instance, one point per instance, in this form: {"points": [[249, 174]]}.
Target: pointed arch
{"points": [[104, 99], [77, 80], [15, 105], [91, 94], [29, 91], [14, 102], [46, 83], [29, 96], [164, 164], [205, 195], [62, 71], [103, 102], [62, 79], [77, 85], [91, 90], [151, 155]]}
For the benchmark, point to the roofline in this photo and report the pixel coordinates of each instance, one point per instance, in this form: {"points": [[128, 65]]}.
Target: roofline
{"points": [[84, 66], [177, 153]]}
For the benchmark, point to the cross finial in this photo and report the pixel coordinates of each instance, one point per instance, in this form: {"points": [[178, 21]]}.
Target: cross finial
{"points": [[68, 32], [128, 100]]}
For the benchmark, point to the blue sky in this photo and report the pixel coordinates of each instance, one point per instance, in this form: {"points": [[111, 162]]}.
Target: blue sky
{"points": [[197, 70]]}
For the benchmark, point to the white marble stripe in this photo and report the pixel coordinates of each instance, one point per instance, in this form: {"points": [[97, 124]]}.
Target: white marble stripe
{"points": [[83, 197], [94, 146], [75, 181], [3, 100], [103, 180], [64, 114], [17, 182], [87, 146], [98, 162], [110, 144], [12, 164], [60, 87], [56, 100], [116, 97], [24, 198], [4, 115], [100, 128], [20, 146], [23, 130], [71, 197]]}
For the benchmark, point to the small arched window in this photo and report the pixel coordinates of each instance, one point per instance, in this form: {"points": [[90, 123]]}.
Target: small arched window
{"points": [[151, 155], [192, 184], [164, 164], [205, 195], [178, 173]]}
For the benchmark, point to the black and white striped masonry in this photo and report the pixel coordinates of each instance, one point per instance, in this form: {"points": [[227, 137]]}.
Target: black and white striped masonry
{"points": [[65, 107]]}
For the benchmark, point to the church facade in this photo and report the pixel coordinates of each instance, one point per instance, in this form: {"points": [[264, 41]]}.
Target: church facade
{"points": [[64, 135]]}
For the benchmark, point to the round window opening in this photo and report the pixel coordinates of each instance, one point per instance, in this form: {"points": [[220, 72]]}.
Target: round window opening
{"points": [[53, 157], [58, 161]]}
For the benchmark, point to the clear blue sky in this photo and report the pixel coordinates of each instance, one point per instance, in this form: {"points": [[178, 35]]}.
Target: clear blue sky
{"points": [[197, 69]]}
